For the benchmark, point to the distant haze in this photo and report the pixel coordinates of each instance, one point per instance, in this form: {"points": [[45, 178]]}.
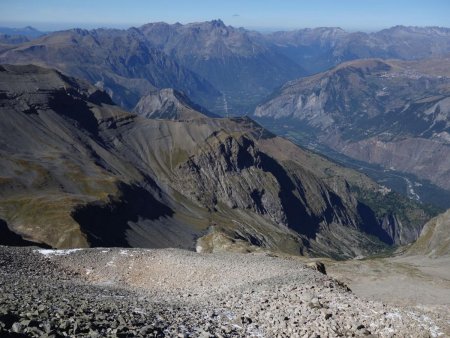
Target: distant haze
{"points": [[264, 15]]}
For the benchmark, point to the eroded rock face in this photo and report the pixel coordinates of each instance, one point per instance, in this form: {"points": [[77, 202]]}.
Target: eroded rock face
{"points": [[232, 172], [399, 233]]}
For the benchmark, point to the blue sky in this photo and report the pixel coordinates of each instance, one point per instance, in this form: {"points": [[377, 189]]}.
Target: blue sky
{"points": [[263, 14]]}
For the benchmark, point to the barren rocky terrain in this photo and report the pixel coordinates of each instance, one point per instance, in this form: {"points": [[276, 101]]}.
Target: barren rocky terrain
{"points": [[176, 293]]}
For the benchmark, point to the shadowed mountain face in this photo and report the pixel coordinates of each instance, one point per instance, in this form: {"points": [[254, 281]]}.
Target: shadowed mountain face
{"points": [[391, 113], [76, 171]]}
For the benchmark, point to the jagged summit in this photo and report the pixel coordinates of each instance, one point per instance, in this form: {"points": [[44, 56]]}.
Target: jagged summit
{"points": [[170, 104]]}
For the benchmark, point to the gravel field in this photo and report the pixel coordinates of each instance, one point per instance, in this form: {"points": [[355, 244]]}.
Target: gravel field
{"points": [[176, 293]]}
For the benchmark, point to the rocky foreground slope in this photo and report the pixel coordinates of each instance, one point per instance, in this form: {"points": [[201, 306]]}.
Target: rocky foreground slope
{"points": [[156, 293]]}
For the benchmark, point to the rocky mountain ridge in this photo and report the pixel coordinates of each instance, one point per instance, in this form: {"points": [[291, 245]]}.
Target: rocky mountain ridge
{"points": [[237, 62], [105, 177]]}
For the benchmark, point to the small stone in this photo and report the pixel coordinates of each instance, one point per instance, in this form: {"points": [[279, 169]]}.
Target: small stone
{"points": [[17, 327], [318, 266], [246, 320], [315, 303]]}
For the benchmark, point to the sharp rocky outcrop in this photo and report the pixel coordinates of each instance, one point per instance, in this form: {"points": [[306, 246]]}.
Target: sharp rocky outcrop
{"points": [[170, 104]]}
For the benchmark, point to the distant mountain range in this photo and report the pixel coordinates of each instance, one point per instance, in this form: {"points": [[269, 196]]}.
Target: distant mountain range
{"points": [[228, 70], [78, 171], [238, 62], [28, 32], [319, 49], [15, 36]]}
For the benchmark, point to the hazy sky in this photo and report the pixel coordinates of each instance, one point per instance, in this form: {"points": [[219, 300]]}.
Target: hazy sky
{"points": [[258, 14]]}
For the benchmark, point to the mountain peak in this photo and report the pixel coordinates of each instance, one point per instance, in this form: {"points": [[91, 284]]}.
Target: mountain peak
{"points": [[218, 23], [30, 28], [170, 104]]}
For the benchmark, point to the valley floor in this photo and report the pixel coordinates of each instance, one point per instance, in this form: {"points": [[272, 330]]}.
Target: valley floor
{"points": [[176, 293]]}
